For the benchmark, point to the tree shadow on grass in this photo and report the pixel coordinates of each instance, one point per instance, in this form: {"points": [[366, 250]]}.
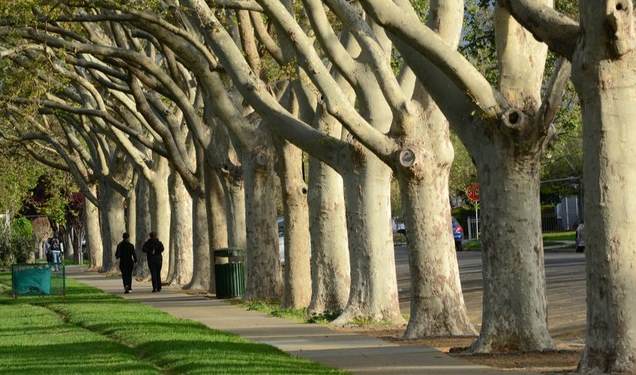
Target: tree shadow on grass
{"points": [[210, 357], [127, 337], [183, 346], [85, 357]]}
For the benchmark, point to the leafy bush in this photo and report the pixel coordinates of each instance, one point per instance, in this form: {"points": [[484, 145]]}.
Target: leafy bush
{"points": [[16, 242]]}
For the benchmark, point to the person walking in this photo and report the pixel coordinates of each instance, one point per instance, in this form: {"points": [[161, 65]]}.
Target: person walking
{"points": [[580, 238], [56, 254], [153, 249], [127, 259]]}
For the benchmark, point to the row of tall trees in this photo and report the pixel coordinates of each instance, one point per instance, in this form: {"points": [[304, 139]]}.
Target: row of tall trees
{"points": [[190, 118]]}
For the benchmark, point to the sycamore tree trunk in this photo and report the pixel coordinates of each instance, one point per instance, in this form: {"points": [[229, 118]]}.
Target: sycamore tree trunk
{"points": [[80, 235], [160, 209], [144, 223], [181, 232], [201, 278], [263, 269], [373, 294], [234, 192], [330, 277], [297, 275], [94, 241], [437, 303], [603, 73], [113, 224], [216, 222], [171, 246], [512, 253], [131, 214], [69, 248]]}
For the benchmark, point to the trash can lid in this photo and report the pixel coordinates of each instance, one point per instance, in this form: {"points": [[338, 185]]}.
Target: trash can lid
{"points": [[229, 252]]}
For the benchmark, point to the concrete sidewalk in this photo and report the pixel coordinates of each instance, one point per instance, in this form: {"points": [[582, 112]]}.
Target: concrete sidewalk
{"points": [[356, 353]]}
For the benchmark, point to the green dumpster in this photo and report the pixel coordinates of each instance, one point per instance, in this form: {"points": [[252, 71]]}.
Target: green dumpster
{"points": [[229, 273]]}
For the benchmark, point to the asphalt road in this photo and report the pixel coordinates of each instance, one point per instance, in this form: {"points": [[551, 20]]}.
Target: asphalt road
{"points": [[565, 274]]}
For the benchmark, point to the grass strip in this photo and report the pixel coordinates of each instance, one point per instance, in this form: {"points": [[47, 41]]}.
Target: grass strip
{"points": [[300, 315], [549, 239], [107, 330]]}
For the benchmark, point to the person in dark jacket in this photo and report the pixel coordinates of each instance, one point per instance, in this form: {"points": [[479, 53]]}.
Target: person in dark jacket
{"points": [[127, 259], [153, 249]]}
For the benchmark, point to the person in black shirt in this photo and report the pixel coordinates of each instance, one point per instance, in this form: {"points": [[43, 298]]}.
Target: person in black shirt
{"points": [[127, 259], [153, 249]]}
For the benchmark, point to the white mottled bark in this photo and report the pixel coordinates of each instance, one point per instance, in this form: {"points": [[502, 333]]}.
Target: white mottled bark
{"points": [[160, 209], [180, 233], [263, 270], [200, 246], [514, 314], [131, 214], [69, 249], [144, 225], [235, 205], [511, 240], [113, 224], [437, 303], [216, 221], [94, 241], [330, 277], [603, 73], [373, 295], [42, 228], [171, 246], [297, 275]]}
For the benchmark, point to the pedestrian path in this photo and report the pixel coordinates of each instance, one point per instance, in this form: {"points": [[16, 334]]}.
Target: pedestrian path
{"points": [[356, 353]]}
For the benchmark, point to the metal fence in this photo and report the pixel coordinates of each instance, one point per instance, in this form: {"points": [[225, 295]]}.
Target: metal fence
{"points": [[38, 279], [548, 224], [473, 230]]}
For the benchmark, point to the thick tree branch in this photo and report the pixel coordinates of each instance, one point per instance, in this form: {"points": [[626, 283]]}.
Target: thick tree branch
{"points": [[407, 27], [45, 160], [266, 39], [335, 99], [554, 92], [558, 31], [377, 55], [278, 118], [75, 170], [328, 39]]}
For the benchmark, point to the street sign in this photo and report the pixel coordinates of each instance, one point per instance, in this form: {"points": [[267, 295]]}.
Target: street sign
{"points": [[472, 192]]}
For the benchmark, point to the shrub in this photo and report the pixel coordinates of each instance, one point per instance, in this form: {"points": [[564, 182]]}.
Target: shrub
{"points": [[16, 242]]}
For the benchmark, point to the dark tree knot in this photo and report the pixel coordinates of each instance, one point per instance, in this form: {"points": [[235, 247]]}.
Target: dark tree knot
{"points": [[513, 118]]}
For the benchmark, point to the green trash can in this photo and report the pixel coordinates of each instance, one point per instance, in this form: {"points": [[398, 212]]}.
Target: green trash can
{"points": [[229, 273]]}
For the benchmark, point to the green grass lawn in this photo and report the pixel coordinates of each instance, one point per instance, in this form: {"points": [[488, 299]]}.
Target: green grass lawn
{"points": [[549, 239], [71, 261], [91, 332], [559, 236]]}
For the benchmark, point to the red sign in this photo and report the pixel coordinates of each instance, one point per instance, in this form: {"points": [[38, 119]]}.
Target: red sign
{"points": [[472, 192]]}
